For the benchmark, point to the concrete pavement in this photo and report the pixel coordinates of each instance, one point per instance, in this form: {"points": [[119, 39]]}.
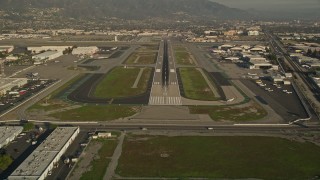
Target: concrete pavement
{"points": [[114, 159]]}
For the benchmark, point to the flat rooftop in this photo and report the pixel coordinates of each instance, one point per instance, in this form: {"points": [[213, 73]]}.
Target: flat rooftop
{"points": [[38, 161], [260, 62], [8, 131], [47, 53]]}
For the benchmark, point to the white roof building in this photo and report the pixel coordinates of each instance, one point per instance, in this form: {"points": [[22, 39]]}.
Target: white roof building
{"points": [[257, 49], [12, 58], [305, 59], [7, 49], [217, 51], [233, 59], [46, 56], [225, 46], [41, 161], [90, 50], [236, 49], [253, 33], [259, 63], [8, 134], [246, 47], [38, 49], [257, 58]]}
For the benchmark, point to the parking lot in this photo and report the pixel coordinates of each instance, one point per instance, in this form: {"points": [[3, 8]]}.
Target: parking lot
{"points": [[18, 95], [281, 98]]}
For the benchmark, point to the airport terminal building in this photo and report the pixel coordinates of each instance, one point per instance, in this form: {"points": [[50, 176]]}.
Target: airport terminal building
{"points": [[42, 160]]}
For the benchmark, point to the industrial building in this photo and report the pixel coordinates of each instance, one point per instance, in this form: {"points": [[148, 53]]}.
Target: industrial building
{"points": [[38, 49], [42, 160], [12, 58], [6, 49], [6, 84], [46, 56], [257, 63], [8, 134], [253, 33], [2, 74], [280, 79], [90, 50]]}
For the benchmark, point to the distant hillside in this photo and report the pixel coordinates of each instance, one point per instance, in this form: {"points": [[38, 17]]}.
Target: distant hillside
{"points": [[128, 9]]}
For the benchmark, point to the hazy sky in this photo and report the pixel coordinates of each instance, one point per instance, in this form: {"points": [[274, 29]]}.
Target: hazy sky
{"points": [[272, 4]]}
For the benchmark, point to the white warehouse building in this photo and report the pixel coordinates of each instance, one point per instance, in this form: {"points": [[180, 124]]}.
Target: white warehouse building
{"points": [[42, 160], [7, 49], [46, 56], [38, 49], [253, 33], [90, 50], [8, 134]]}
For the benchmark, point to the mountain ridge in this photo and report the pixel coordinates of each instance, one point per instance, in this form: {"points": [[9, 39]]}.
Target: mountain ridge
{"points": [[129, 9]]}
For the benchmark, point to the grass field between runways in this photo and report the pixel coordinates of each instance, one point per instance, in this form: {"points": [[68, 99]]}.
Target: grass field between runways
{"points": [[218, 157], [142, 58], [195, 86], [183, 58], [118, 83]]}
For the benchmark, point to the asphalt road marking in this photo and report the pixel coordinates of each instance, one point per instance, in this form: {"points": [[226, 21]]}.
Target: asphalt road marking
{"points": [[163, 100]]}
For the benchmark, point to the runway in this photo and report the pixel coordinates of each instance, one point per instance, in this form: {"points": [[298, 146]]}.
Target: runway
{"points": [[165, 86]]}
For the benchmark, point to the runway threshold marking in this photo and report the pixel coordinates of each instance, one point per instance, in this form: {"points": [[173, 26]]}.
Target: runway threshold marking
{"points": [[164, 100]]}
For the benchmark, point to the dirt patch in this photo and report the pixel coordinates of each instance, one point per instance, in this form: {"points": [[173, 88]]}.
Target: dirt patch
{"points": [[85, 160]]}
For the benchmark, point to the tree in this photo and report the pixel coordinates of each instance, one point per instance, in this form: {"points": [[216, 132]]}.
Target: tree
{"points": [[318, 54], [309, 52], [2, 55], [5, 161], [28, 126], [52, 126], [314, 53]]}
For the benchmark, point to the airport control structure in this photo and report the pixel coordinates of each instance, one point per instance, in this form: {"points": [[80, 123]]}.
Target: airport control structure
{"points": [[41, 161]]}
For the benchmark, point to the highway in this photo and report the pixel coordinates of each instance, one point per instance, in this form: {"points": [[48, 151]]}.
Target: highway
{"points": [[259, 129]]}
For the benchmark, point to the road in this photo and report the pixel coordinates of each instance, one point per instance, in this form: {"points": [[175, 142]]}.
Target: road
{"points": [[237, 128], [114, 159]]}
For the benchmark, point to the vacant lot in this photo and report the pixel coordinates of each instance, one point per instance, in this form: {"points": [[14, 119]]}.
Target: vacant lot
{"points": [[96, 113], [218, 157], [194, 85], [142, 58], [99, 164], [179, 48], [149, 47], [118, 83], [229, 113]]}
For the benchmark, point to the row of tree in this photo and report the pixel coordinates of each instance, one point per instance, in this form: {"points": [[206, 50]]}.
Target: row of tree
{"points": [[69, 50], [314, 53]]}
